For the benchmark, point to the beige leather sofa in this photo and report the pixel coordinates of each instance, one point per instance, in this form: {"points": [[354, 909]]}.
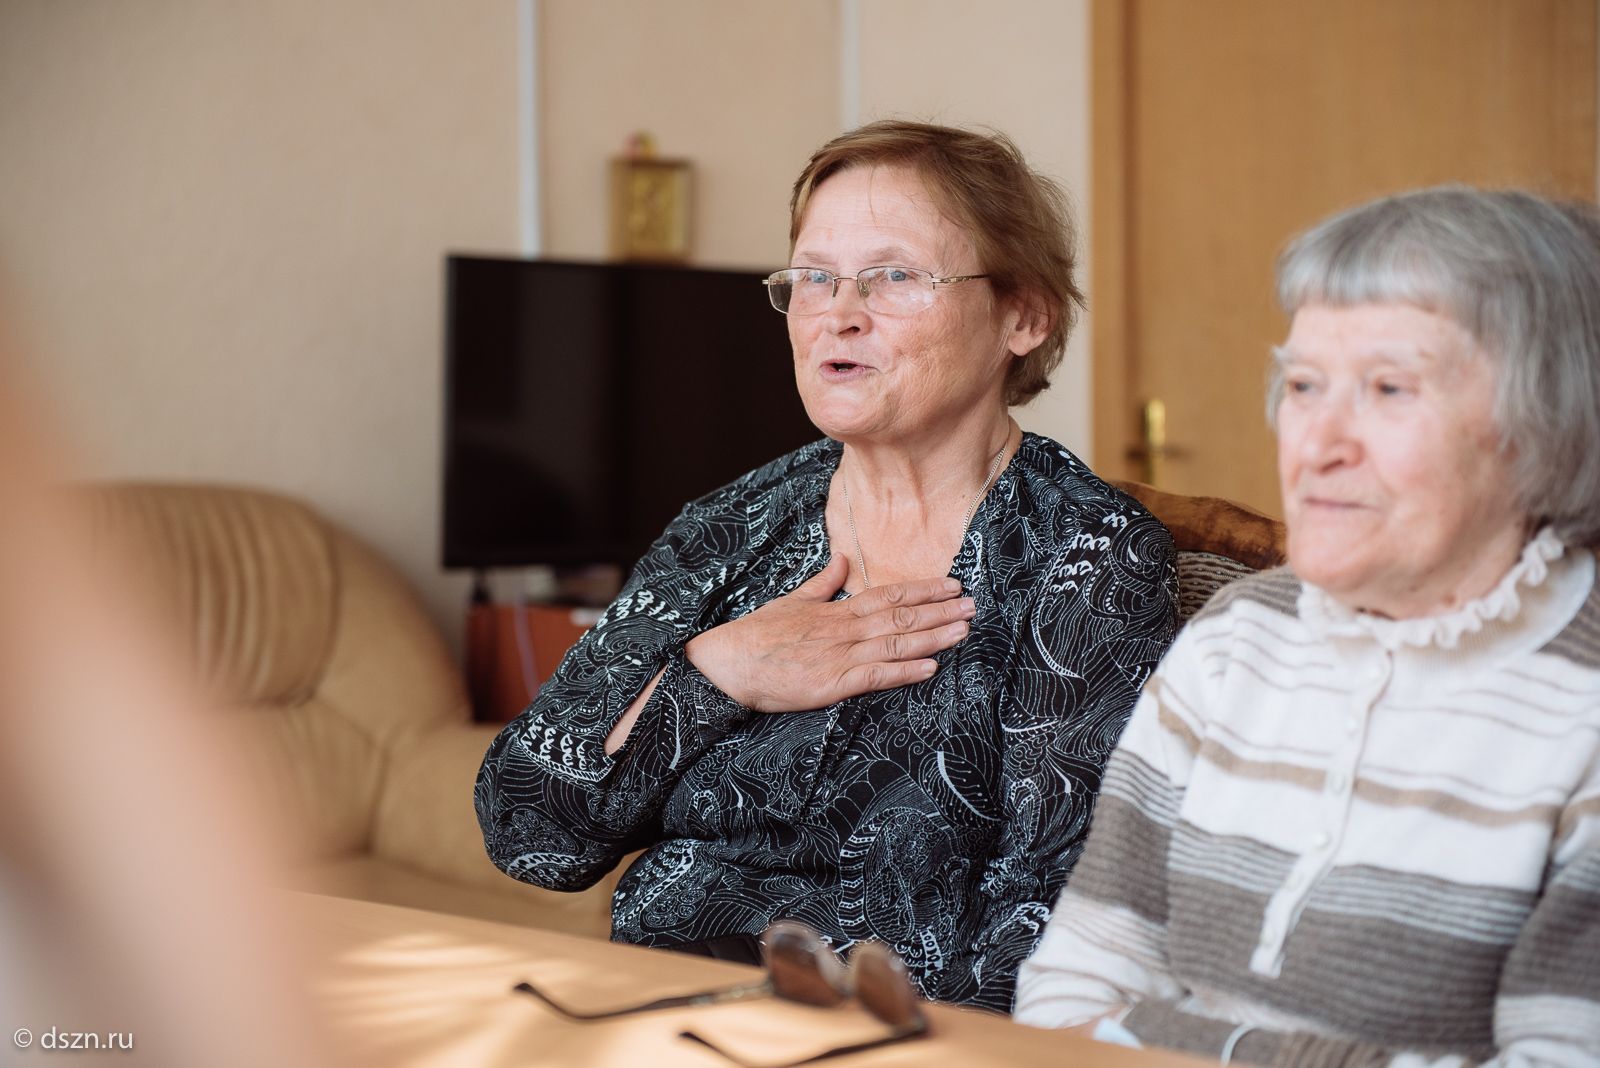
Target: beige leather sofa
{"points": [[343, 692]]}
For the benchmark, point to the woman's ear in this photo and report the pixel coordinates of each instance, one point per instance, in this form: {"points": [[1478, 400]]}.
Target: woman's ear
{"points": [[1029, 324]]}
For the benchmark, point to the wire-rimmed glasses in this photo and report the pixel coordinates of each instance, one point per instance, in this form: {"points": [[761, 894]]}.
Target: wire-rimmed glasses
{"points": [[801, 968], [885, 290]]}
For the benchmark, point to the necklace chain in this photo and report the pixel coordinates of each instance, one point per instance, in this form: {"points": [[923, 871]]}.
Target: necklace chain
{"points": [[966, 520]]}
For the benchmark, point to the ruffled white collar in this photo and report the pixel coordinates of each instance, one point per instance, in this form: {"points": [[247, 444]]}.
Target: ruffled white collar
{"points": [[1502, 604]]}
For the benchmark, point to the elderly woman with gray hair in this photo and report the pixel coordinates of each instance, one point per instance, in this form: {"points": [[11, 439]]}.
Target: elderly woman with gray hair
{"points": [[1355, 818]]}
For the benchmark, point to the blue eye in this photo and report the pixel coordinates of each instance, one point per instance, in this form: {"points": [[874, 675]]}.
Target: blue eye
{"points": [[895, 274], [815, 278]]}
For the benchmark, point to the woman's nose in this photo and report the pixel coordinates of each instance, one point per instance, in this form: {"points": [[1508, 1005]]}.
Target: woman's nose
{"points": [[1328, 435], [848, 308]]}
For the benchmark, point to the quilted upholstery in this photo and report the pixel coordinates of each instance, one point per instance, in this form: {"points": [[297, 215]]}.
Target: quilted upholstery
{"points": [[1217, 539], [342, 691]]}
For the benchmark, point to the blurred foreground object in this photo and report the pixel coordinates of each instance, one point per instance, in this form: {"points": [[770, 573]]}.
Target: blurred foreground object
{"points": [[135, 874]]}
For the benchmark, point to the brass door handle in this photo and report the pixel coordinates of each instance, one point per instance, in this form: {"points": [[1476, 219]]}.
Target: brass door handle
{"points": [[1154, 447]]}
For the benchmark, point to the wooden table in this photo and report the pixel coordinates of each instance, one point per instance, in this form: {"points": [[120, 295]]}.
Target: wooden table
{"points": [[406, 987]]}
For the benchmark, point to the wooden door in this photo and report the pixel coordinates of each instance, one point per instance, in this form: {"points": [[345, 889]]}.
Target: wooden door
{"points": [[1223, 127]]}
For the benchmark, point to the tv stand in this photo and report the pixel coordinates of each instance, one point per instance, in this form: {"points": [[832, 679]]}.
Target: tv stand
{"points": [[513, 648]]}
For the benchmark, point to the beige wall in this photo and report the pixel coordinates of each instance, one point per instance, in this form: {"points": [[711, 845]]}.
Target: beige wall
{"points": [[745, 91], [1021, 66], [748, 90], [226, 219]]}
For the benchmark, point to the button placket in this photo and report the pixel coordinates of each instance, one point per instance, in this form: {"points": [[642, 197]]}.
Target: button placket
{"points": [[1321, 844], [1268, 956]]}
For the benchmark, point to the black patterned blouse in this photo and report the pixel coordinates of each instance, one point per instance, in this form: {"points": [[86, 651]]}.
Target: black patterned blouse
{"points": [[941, 818]]}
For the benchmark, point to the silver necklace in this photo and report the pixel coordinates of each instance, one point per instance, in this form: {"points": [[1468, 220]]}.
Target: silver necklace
{"points": [[966, 520]]}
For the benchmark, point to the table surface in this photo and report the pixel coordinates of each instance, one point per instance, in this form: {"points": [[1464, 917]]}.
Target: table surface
{"points": [[406, 987]]}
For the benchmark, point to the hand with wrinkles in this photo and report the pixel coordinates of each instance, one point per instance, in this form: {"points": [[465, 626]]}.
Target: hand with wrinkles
{"points": [[806, 650]]}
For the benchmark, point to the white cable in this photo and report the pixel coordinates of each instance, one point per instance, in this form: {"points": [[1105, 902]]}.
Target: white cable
{"points": [[530, 675], [1233, 1040]]}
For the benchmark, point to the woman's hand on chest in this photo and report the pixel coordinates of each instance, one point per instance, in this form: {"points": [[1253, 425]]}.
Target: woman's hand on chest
{"points": [[805, 650]]}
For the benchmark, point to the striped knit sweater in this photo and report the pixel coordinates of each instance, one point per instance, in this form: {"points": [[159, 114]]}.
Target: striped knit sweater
{"points": [[1332, 839]]}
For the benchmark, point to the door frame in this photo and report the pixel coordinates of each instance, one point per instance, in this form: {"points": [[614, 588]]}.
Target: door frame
{"points": [[1114, 407]]}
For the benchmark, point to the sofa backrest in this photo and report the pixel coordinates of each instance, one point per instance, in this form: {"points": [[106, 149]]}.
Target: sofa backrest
{"points": [[1218, 540], [247, 577], [318, 644]]}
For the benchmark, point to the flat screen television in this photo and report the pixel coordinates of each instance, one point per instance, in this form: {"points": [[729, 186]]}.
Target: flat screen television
{"points": [[586, 403]]}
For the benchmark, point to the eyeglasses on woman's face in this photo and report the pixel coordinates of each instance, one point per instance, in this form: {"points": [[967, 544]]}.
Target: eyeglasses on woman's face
{"points": [[885, 290], [800, 967]]}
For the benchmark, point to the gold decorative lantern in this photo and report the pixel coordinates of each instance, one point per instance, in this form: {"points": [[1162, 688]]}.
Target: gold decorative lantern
{"points": [[649, 204]]}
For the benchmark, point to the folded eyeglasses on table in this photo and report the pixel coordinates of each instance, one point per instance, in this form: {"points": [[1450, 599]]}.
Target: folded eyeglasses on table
{"points": [[800, 967]]}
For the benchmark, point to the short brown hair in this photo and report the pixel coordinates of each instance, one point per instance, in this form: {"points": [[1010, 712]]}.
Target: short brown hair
{"points": [[1017, 219]]}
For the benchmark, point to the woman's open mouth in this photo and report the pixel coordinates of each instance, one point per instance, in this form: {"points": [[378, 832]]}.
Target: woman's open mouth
{"points": [[842, 370]]}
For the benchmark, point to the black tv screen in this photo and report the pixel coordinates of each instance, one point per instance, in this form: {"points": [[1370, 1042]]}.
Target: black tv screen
{"points": [[585, 403]]}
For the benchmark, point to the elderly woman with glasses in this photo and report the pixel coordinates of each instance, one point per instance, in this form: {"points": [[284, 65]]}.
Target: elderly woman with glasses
{"points": [[871, 685], [1356, 816]]}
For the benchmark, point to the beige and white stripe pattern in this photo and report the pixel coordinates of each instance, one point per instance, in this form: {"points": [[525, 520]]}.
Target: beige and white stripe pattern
{"points": [[1372, 841]]}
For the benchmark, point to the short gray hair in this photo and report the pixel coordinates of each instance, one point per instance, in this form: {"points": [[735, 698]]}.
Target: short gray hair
{"points": [[1522, 273]]}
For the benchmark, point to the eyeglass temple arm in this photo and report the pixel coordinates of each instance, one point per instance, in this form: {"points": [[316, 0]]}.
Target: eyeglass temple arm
{"points": [[900, 1034], [708, 997]]}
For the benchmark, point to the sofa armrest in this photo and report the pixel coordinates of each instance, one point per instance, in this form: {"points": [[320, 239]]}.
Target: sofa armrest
{"points": [[425, 820]]}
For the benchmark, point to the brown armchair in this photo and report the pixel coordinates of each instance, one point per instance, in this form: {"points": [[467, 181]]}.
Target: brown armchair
{"points": [[1217, 541]]}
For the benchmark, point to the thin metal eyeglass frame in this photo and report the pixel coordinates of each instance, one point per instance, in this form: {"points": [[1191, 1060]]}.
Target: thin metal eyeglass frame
{"points": [[900, 1034], [863, 288], [762, 989], [888, 968], [841, 982], [783, 931]]}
